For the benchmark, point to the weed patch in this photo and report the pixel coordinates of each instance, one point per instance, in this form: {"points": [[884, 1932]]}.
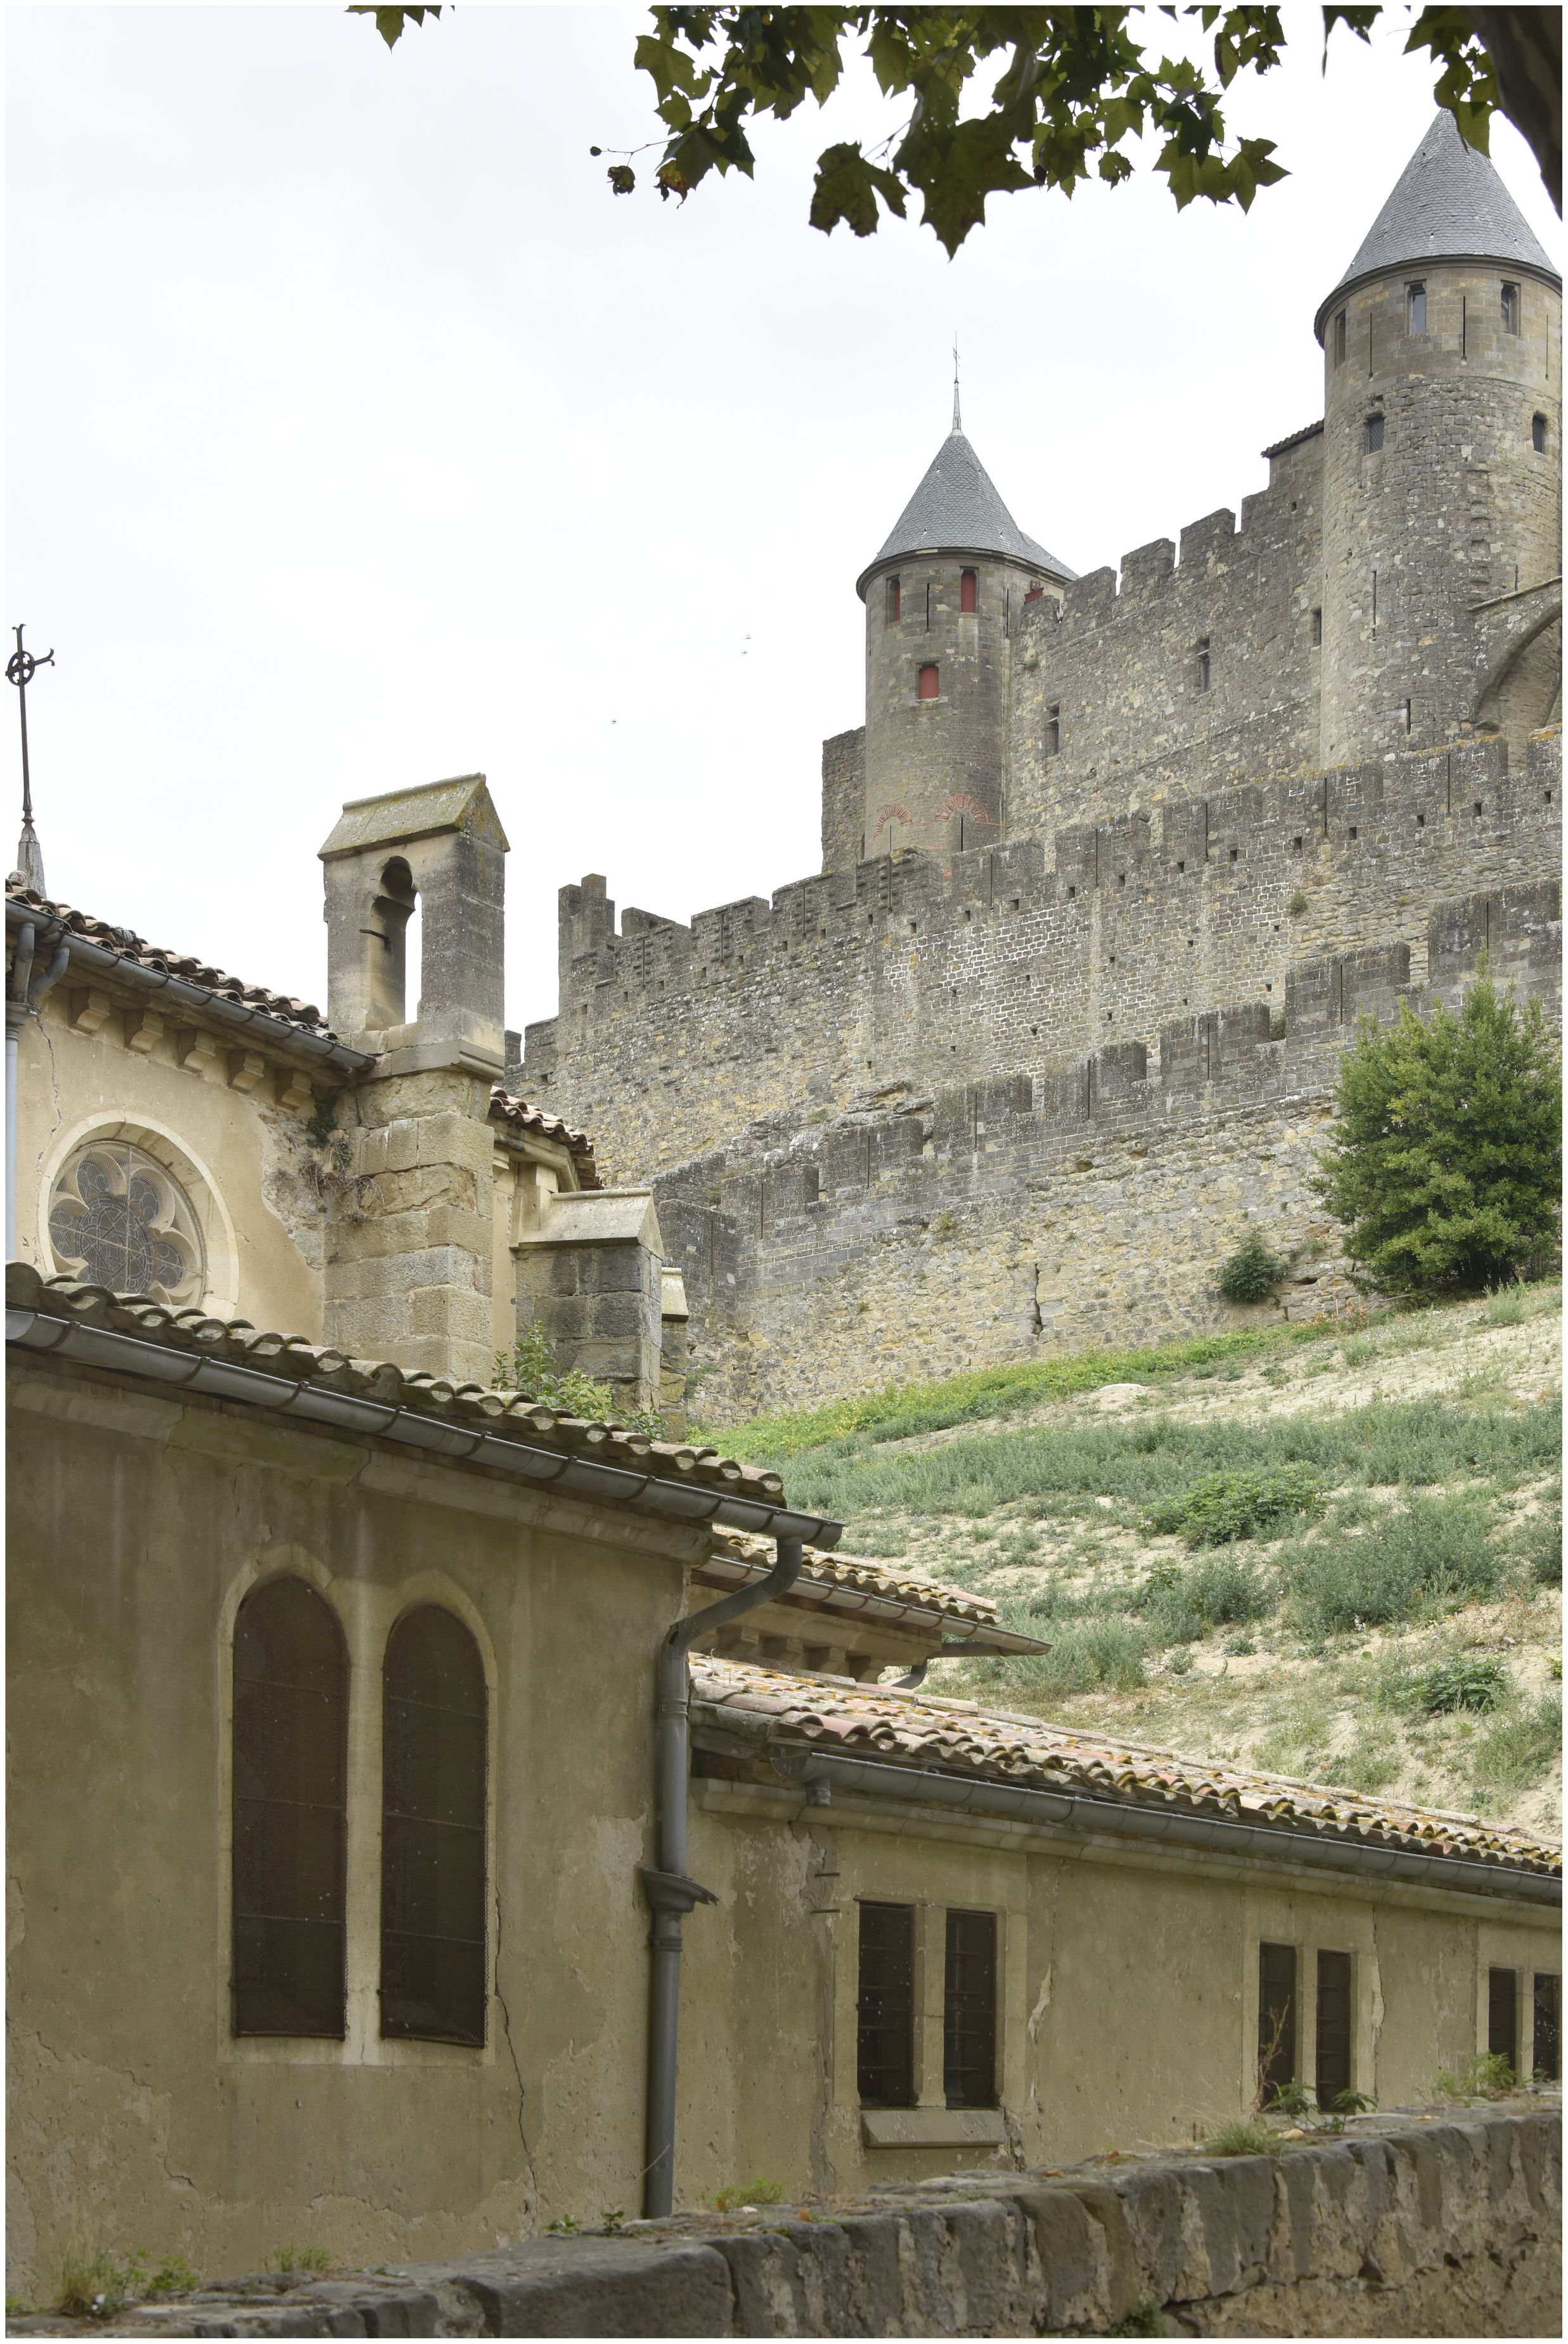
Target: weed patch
{"points": [[1220, 1507], [1242, 2138], [1430, 1556], [1182, 1605], [1519, 1750]]}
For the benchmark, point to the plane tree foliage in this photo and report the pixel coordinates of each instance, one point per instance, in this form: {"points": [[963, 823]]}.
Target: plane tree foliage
{"points": [[994, 101]]}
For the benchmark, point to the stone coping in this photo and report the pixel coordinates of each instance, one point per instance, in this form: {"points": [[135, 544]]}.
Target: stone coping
{"points": [[1444, 2221]]}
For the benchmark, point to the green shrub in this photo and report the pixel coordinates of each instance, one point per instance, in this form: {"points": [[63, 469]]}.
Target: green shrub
{"points": [[302, 2259], [1223, 1507], [759, 2192], [1540, 1547], [1464, 1681], [1505, 1305], [1432, 1555], [1214, 1593], [1445, 1165], [529, 1367], [1519, 1750], [1488, 2076], [1251, 1273]]}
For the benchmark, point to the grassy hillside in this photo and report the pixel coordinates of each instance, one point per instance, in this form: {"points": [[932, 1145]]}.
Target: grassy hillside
{"points": [[1324, 1554]]}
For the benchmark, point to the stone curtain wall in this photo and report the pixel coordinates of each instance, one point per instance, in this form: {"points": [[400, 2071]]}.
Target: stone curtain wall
{"points": [[1122, 666], [1003, 1220], [914, 974], [1451, 2227]]}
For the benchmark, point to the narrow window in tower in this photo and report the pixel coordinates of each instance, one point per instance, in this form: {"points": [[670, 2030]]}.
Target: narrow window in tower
{"points": [[1463, 325], [1203, 665], [1415, 309], [1340, 338], [1537, 434], [1053, 730], [930, 683], [894, 600], [1510, 308], [1317, 626], [967, 583], [928, 610], [1374, 434], [1407, 715]]}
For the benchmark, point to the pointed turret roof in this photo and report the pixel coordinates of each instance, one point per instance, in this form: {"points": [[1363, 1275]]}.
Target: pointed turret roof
{"points": [[1449, 204], [956, 510]]}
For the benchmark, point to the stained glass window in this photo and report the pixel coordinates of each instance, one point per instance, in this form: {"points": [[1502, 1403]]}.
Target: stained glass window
{"points": [[119, 1218]]}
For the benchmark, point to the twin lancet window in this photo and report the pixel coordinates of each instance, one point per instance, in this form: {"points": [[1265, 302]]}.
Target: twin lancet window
{"points": [[289, 1926], [885, 2008]]}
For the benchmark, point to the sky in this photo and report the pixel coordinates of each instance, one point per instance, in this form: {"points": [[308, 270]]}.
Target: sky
{"points": [[358, 436]]}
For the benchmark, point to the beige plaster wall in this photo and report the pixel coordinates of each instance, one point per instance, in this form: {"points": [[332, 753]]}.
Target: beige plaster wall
{"points": [[137, 1523], [176, 1092], [1127, 1990]]}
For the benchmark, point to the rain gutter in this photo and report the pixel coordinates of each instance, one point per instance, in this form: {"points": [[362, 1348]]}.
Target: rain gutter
{"points": [[276, 1032], [644, 1493], [1171, 1826]]}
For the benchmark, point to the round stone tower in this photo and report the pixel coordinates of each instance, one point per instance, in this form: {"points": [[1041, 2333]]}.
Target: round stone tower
{"points": [[943, 600], [1442, 466]]}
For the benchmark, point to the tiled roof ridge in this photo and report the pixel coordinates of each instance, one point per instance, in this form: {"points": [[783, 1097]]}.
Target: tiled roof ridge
{"points": [[503, 1413], [863, 1573], [906, 1727], [129, 946], [507, 1106]]}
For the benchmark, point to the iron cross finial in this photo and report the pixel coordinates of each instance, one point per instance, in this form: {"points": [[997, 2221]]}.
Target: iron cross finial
{"points": [[958, 422], [20, 669]]}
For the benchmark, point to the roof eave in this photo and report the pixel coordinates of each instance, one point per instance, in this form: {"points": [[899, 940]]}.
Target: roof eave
{"points": [[1420, 260], [963, 552]]}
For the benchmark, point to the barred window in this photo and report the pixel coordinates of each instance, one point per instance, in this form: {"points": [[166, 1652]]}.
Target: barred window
{"points": [[433, 1831], [1547, 2058], [1276, 2019], [290, 1776], [969, 2011], [886, 2006], [1334, 2012], [1502, 2015], [1374, 434]]}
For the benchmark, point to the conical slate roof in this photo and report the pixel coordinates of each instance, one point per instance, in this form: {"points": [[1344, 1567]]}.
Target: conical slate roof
{"points": [[1449, 204], [956, 510]]}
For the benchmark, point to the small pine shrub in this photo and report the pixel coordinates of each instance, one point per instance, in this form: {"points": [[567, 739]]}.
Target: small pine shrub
{"points": [[1220, 1507], [1464, 1681], [1251, 1274]]}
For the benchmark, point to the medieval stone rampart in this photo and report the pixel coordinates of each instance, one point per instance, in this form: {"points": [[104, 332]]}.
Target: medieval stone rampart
{"points": [[921, 1233], [1446, 2225], [1000, 963], [1113, 707]]}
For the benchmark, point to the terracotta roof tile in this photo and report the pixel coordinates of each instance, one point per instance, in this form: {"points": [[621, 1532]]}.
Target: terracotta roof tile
{"points": [[137, 953], [963, 1738], [523, 1115], [499, 1413], [857, 1572]]}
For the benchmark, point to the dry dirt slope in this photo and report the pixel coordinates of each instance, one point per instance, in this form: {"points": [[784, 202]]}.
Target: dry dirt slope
{"points": [[1394, 1626]]}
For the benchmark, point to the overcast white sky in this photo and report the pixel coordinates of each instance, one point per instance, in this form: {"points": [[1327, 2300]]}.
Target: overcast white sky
{"points": [[358, 436]]}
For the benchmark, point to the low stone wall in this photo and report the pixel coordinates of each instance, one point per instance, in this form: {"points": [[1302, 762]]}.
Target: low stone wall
{"points": [[1446, 2224]]}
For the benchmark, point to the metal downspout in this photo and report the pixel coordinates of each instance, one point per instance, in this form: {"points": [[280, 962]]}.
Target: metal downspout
{"points": [[23, 993], [670, 1893]]}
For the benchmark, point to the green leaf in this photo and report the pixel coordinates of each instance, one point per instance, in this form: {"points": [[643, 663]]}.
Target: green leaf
{"points": [[390, 22], [846, 188]]}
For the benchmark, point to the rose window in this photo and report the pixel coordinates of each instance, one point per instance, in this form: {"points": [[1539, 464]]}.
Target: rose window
{"points": [[118, 1218]]}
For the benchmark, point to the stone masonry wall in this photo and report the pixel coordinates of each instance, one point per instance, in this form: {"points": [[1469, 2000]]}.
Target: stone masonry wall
{"points": [[1120, 669], [909, 975], [1446, 2225], [915, 1236]]}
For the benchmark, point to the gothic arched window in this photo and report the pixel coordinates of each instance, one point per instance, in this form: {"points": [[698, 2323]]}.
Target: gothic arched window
{"points": [[433, 1737], [291, 1796]]}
